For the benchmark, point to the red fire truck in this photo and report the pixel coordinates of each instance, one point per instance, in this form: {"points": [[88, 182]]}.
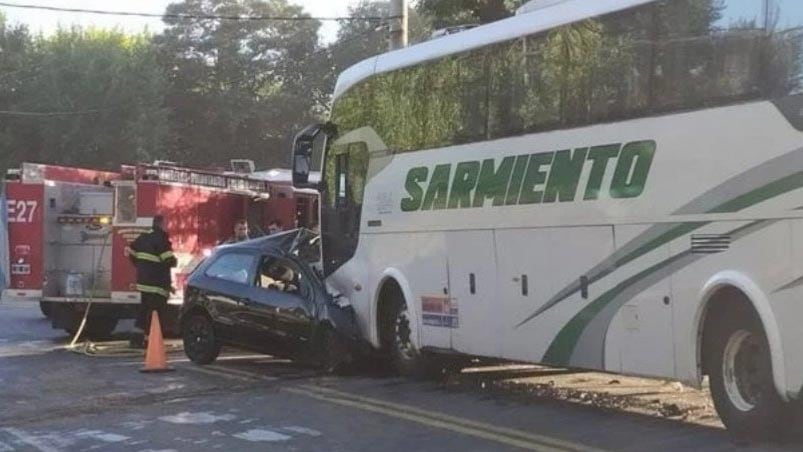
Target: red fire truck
{"points": [[69, 227]]}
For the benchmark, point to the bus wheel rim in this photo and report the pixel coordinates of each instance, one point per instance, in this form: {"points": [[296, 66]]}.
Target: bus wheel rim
{"points": [[403, 342], [741, 370]]}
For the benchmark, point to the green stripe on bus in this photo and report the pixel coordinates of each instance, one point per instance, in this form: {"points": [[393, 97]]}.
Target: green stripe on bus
{"points": [[753, 197], [763, 193], [560, 350], [769, 191]]}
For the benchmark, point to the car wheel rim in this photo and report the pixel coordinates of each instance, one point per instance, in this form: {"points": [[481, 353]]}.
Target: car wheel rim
{"points": [[201, 336], [742, 370], [404, 344]]}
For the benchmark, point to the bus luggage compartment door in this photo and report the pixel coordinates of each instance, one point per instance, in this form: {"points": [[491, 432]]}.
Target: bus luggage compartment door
{"points": [[472, 289]]}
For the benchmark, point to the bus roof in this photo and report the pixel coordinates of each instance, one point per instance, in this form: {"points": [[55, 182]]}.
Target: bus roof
{"points": [[546, 18]]}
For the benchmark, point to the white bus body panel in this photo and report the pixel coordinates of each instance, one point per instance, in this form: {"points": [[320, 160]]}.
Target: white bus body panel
{"points": [[557, 243]]}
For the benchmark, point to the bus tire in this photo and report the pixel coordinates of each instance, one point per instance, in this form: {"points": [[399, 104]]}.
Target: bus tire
{"points": [[405, 358], [200, 341], [740, 373]]}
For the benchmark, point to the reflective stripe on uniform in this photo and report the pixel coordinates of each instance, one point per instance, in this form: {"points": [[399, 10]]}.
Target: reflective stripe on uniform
{"points": [[166, 255], [147, 257], [153, 289]]}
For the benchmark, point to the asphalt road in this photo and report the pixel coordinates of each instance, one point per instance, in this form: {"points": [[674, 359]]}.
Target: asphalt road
{"points": [[55, 400]]}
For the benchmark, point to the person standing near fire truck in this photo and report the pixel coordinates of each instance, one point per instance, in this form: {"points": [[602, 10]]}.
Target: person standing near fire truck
{"points": [[152, 253]]}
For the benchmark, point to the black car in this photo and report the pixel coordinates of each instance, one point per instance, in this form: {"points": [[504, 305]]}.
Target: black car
{"points": [[263, 295]]}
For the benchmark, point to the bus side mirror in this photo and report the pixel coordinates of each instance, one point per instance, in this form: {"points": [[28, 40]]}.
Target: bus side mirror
{"points": [[302, 161], [303, 150]]}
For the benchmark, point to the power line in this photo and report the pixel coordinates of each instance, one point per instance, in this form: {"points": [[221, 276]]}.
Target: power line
{"points": [[90, 111], [331, 48], [195, 16]]}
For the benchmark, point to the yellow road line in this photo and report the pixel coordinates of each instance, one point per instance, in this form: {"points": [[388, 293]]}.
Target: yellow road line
{"points": [[218, 373], [429, 422], [567, 445], [242, 373], [502, 435]]}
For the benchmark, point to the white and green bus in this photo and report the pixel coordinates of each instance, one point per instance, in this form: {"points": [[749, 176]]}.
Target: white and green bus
{"points": [[608, 184]]}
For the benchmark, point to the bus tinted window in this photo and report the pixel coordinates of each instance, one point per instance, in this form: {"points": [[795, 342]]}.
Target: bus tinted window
{"points": [[666, 56], [702, 57], [785, 49]]}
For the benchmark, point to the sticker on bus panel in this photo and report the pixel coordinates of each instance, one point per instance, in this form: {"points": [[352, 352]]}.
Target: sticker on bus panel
{"points": [[440, 312]]}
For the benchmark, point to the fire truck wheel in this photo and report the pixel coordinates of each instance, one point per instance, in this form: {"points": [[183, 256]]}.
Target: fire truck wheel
{"points": [[46, 307], [95, 328]]}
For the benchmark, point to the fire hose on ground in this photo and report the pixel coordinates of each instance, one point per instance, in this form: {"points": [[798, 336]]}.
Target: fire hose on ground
{"points": [[111, 349]]}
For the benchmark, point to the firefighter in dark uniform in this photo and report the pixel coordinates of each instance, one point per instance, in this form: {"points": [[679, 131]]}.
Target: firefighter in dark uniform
{"points": [[152, 253]]}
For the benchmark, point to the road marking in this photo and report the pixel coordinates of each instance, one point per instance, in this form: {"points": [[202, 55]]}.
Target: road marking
{"points": [[217, 373], [457, 420], [242, 373], [429, 422], [504, 435], [197, 418], [30, 440], [261, 434]]}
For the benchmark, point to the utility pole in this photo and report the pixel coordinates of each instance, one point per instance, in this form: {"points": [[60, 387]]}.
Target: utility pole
{"points": [[398, 24]]}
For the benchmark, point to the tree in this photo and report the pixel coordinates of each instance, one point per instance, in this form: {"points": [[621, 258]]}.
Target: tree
{"points": [[238, 88], [15, 56], [105, 87], [358, 40], [445, 13]]}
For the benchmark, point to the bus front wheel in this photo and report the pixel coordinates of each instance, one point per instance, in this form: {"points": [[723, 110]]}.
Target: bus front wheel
{"points": [[406, 358], [740, 372]]}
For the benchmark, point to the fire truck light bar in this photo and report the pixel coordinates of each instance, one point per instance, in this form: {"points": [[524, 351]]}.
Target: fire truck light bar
{"points": [[205, 179]]}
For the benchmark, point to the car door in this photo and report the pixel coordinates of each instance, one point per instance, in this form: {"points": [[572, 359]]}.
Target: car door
{"points": [[226, 285], [281, 304]]}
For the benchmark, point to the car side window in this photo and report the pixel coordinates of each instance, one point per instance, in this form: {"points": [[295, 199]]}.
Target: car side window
{"points": [[281, 274], [233, 267]]}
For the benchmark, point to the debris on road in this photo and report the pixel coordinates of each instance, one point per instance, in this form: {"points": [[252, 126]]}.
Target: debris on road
{"points": [[659, 398]]}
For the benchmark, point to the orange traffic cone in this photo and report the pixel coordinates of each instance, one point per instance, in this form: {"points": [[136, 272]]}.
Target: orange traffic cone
{"points": [[155, 355]]}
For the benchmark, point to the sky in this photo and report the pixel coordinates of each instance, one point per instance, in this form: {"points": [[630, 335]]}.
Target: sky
{"points": [[47, 21]]}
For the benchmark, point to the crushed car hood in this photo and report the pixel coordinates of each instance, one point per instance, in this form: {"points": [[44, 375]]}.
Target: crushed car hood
{"points": [[285, 243]]}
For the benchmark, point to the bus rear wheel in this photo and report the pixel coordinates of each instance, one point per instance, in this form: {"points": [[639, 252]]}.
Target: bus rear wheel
{"points": [[740, 372]]}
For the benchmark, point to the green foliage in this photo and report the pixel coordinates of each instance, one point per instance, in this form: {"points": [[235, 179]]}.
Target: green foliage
{"points": [[77, 70], [445, 13], [238, 89]]}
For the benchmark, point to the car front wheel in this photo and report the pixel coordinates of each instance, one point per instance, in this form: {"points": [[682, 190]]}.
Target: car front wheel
{"points": [[200, 343]]}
